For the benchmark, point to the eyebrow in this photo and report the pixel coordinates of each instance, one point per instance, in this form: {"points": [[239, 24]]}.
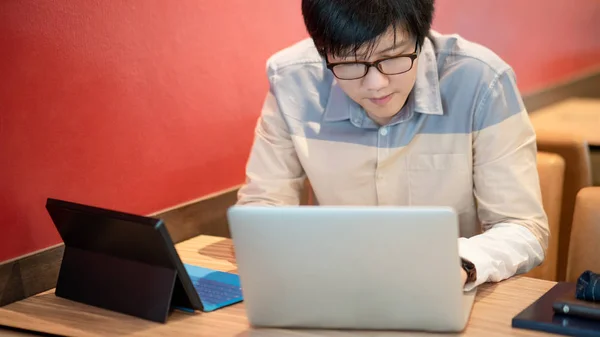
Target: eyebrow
{"points": [[386, 50]]}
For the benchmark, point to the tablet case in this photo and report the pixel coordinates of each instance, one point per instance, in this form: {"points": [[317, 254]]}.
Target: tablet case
{"points": [[541, 316], [120, 261]]}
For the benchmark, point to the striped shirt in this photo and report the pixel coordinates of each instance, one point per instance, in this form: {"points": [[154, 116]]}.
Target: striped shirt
{"points": [[463, 139]]}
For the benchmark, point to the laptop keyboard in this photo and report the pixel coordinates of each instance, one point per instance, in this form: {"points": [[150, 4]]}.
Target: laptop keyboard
{"points": [[215, 292]]}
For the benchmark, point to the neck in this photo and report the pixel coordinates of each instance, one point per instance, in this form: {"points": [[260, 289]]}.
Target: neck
{"points": [[381, 121]]}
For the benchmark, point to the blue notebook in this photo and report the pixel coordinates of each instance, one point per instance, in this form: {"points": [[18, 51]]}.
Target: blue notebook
{"points": [[216, 289]]}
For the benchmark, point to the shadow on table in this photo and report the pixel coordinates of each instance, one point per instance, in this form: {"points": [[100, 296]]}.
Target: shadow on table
{"points": [[333, 333]]}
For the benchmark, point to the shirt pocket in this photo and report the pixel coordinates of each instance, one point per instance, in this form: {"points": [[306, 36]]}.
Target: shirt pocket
{"points": [[441, 180]]}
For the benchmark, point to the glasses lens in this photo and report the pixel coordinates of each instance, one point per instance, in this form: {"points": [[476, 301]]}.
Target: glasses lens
{"points": [[396, 65], [349, 71]]}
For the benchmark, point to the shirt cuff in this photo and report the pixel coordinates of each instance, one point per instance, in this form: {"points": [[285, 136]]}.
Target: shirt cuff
{"points": [[500, 252], [471, 251]]}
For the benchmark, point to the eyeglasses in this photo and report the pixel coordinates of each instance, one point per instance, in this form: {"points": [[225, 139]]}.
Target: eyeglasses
{"points": [[388, 66]]}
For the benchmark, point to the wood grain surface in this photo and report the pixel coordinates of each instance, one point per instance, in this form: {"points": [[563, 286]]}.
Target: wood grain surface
{"points": [[494, 307], [580, 116]]}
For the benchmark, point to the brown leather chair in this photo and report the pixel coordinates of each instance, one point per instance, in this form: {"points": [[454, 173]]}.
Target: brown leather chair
{"points": [[307, 197], [578, 175], [585, 237], [551, 169]]}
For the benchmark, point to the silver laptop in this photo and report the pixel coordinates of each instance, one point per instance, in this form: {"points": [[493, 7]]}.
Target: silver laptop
{"points": [[348, 267]]}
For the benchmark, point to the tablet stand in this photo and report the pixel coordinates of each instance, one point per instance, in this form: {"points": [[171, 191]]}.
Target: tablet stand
{"points": [[116, 284]]}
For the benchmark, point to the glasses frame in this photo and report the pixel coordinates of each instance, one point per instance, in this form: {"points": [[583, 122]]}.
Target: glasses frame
{"points": [[413, 56]]}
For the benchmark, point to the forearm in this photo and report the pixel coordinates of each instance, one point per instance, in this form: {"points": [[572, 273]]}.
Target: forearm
{"points": [[502, 251], [266, 192]]}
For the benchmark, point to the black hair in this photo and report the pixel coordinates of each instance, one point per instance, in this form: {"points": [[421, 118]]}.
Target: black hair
{"points": [[342, 27]]}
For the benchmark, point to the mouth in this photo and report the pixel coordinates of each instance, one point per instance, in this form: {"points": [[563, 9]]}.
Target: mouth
{"points": [[382, 100]]}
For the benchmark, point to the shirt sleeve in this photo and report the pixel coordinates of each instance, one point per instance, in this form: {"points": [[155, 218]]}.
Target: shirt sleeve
{"points": [[274, 175], [506, 187]]}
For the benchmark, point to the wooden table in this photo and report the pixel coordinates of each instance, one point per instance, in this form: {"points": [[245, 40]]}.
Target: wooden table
{"points": [[494, 307], [579, 116]]}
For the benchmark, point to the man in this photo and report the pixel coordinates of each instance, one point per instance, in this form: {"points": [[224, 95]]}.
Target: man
{"points": [[376, 109]]}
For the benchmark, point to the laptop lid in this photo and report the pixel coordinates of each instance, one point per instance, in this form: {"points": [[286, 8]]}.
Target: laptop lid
{"points": [[95, 238], [350, 267]]}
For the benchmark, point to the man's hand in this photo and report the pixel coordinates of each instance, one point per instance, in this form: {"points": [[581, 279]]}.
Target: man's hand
{"points": [[463, 276]]}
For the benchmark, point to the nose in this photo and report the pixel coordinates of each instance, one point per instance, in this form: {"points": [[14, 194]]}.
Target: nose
{"points": [[375, 80]]}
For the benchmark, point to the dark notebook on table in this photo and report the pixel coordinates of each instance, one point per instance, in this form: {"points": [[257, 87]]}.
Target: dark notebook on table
{"points": [[541, 315]]}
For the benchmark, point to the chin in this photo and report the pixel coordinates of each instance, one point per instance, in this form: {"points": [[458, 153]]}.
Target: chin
{"points": [[384, 113]]}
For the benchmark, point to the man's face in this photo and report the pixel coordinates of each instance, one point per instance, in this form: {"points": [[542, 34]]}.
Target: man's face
{"points": [[382, 96]]}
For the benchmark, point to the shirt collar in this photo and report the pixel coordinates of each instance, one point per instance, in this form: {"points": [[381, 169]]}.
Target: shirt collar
{"points": [[424, 98], [426, 92], [339, 106]]}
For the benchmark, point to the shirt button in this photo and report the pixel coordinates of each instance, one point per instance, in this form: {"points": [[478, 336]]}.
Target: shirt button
{"points": [[383, 131]]}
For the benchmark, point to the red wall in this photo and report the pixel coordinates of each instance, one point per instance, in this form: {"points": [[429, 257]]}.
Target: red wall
{"points": [[141, 105], [546, 41], [136, 105]]}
